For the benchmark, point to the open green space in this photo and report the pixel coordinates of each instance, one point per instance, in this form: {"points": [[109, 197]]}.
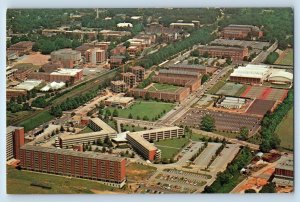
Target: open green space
{"points": [[163, 87], [37, 120], [18, 182], [232, 89], [285, 130], [87, 130], [288, 59], [170, 147], [143, 109]]}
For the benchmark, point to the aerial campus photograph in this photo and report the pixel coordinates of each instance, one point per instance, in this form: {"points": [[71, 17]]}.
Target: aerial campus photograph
{"points": [[150, 101]]}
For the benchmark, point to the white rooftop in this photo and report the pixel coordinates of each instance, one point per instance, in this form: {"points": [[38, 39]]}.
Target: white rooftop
{"points": [[28, 84], [253, 71], [67, 72]]}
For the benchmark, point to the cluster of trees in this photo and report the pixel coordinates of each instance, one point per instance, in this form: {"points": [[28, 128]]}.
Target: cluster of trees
{"points": [[276, 23], [207, 123], [41, 101], [244, 132], [204, 78], [127, 154], [228, 178], [72, 103], [20, 103], [202, 36], [271, 58], [48, 44], [270, 140]]}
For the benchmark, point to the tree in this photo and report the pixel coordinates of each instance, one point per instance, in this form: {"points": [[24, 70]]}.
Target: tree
{"points": [[268, 188], [115, 113], [103, 149], [250, 191], [130, 116], [244, 132], [204, 78], [107, 112], [207, 123], [145, 118]]}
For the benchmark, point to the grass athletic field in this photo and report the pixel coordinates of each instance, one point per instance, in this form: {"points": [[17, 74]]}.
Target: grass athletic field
{"points": [[151, 109], [37, 120], [286, 58], [285, 130], [232, 89]]}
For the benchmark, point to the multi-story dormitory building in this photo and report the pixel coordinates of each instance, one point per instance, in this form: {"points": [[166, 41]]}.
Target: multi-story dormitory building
{"points": [[14, 140], [102, 130], [241, 32], [235, 53], [140, 140], [139, 72], [108, 169]]}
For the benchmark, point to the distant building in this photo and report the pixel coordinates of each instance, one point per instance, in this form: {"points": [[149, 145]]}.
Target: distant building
{"points": [[119, 50], [95, 56], [124, 24], [235, 53], [52, 66], [139, 72], [118, 86], [114, 34], [69, 58], [14, 140], [182, 25], [116, 60], [241, 32], [60, 75], [190, 68], [10, 92], [21, 48], [281, 77], [129, 78]]}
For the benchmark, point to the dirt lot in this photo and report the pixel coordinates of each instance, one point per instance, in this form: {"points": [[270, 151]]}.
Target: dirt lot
{"points": [[260, 107], [35, 58]]}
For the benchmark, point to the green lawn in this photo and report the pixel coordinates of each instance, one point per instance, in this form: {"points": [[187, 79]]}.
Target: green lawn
{"points": [[36, 121], [136, 172], [288, 59], [132, 129], [163, 87], [143, 108], [170, 147], [18, 182], [87, 130], [285, 130]]}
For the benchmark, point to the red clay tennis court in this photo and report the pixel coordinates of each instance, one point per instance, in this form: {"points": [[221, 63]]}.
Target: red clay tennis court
{"points": [[265, 93]]}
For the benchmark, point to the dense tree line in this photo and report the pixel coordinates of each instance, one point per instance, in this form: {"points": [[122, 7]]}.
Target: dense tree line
{"points": [[147, 81], [270, 140], [232, 171], [276, 23], [202, 36], [72, 103]]}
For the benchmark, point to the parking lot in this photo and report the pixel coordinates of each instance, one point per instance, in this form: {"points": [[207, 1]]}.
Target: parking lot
{"points": [[224, 121], [204, 158], [185, 155]]}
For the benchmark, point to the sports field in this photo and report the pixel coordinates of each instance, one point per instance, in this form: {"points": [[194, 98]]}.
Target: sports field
{"points": [[232, 89], [150, 109], [265, 93], [18, 182], [163, 87], [286, 58], [285, 130]]}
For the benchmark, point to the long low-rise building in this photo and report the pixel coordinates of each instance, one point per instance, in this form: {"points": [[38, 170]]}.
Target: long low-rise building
{"points": [[189, 68], [60, 75], [254, 74], [235, 53], [241, 32], [140, 140], [102, 130], [177, 96], [107, 169]]}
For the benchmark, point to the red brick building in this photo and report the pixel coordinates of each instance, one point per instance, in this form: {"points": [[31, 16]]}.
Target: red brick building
{"points": [[14, 140], [116, 60], [61, 75], [190, 68], [21, 48], [15, 93], [108, 169], [129, 78], [95, 56], [176, 96], [22, 74], [241, 32], [119, 50], [139, 72], [235, 53]]}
